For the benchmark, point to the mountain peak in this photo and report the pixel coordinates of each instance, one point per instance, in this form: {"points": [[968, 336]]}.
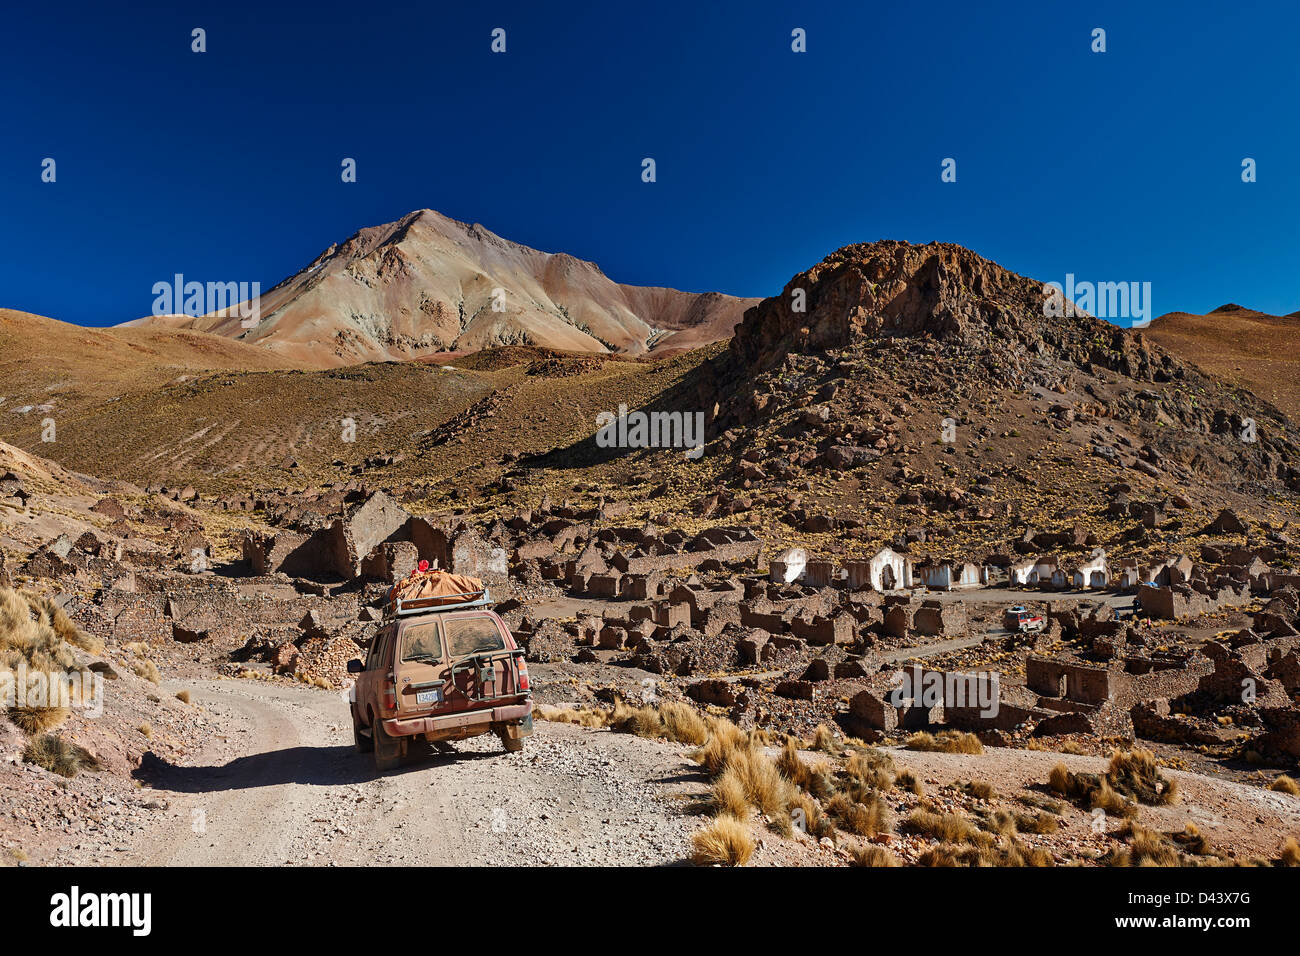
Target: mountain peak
{"points": [[426, 284]]}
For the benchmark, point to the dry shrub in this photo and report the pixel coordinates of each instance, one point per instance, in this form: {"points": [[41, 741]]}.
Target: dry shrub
{"points": [[724, 842], [814, 778], [868, 770], [1285, 784], [872, 855], [1040, 823], [1289, 855], [683, 723], [38, 634], [38, 720], [910, 782], [146, 730], [980, 790], [947, 741], [816, 823], [59, 756], [944, 827], [183, 696], [148, 670], [824, 740], [865, 819], [764, 787], [1135, 774], [729, 795], [941, 855], [725, 738]]}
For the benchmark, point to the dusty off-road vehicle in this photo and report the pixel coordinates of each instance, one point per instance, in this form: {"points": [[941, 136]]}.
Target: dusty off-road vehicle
{"points": [[440, 670]]}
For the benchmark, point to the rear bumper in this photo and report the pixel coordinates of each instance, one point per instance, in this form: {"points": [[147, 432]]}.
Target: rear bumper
{"points": [[464, 723]]}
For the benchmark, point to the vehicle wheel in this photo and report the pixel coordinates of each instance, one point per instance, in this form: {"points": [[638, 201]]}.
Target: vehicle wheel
{"points": [[388, 750], [365, 744], [512, 744]]}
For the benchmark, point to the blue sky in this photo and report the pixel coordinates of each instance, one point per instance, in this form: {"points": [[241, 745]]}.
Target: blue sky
{"points": [[224, 166]]}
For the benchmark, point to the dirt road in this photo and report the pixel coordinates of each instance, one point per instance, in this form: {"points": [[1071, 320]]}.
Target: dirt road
{"points": [[286, 787]]}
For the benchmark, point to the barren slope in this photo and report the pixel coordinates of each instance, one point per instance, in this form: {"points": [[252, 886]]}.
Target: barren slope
{"points": [[1255, 350], [428, 284]]}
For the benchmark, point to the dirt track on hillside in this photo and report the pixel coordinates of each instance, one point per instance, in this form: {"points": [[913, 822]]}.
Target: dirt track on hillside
{"points": [[287, 787]]}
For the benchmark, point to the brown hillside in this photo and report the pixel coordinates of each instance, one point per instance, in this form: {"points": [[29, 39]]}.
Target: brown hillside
{"points": [[1254, 350]]}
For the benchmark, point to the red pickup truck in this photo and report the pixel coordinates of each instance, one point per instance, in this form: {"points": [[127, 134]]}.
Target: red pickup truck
{"points": [[1022, 620]]}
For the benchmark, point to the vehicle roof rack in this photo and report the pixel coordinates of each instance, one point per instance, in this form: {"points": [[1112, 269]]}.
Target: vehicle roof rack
{"points": [[472, 599]]}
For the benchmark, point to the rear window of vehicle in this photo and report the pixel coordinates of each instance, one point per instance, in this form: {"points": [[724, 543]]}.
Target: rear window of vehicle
{"points": [[473, 635], [421, 641]]}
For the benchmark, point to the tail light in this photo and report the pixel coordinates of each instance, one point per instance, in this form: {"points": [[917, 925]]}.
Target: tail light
{"points": [[523, 674], [390, 694]]}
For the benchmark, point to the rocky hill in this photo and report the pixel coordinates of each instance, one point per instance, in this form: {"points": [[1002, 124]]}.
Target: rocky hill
{"points": [[923, 388]]}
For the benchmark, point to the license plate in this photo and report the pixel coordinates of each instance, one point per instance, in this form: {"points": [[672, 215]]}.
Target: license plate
{"points": [[429, 697]]}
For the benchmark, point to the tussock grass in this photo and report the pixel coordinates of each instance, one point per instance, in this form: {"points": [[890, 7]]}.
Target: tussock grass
{"points": [[569, 715], [148, 670], [37, 634], [1133, 777], [724, 842], [813, 778], [725, 738], [980, 789], [1289, 855], [1014, 854], [946, 741], [871, 855], [683, 723], [1038, 802], [671, 720], [764, 786], [1135, 774], [1145, 848], [870, 769], [1041, 823], [183, 696], [944, 827], [942, 855], [1285, 784], [909, 781], [59, 756], [815, 822], [868, 819], [38, 720], [729, 796], [824, 740]]}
